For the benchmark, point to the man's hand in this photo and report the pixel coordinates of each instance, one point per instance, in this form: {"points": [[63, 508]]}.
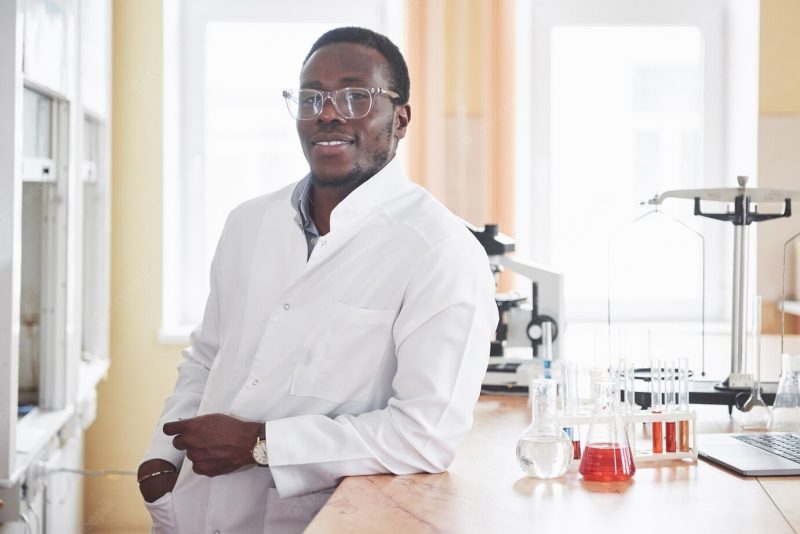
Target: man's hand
{"points": [[153, 488], [216, 444]]}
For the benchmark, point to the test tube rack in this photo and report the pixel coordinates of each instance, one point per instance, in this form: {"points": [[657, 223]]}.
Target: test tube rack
{"points": [[642, 455]]}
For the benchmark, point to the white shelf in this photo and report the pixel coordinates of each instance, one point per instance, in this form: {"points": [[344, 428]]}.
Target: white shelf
{"points": [[792, 307]]}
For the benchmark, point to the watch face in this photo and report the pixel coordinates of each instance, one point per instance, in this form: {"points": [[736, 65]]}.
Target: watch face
{"points": [[260, 453]]}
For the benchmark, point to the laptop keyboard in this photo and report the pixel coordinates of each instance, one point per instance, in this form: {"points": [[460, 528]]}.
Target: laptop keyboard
{"points": [[783, 445]]}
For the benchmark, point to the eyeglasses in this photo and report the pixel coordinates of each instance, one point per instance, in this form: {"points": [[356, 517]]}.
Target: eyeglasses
{"points": [[350, 102]]}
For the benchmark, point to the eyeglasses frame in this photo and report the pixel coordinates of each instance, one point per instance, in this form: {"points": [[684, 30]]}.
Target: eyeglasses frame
{"points": [[326, 95]]}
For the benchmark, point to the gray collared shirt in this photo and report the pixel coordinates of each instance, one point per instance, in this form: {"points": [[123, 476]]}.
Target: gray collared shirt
{"points": [[302, 202]]}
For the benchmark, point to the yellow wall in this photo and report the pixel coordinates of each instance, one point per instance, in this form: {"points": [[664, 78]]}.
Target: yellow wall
{"points": [[779, 93], [780, 57], [142, 371]]}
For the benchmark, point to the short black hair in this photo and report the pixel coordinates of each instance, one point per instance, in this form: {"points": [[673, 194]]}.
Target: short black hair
{"points": [[362, 36]]}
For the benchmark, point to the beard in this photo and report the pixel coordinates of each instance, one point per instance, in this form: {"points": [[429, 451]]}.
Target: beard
{"points": [[354, 178], [360, 174]]}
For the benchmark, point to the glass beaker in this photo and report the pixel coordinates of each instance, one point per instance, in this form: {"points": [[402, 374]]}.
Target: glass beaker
{"points": [[544, 450], [607, 456], [785, 415]]}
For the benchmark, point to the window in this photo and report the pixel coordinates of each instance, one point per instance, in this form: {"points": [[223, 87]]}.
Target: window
{"points": [[627, 99], [43, 249], [229, 137]]}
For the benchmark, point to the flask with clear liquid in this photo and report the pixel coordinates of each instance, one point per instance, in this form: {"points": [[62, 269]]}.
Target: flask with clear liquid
{"points": [[607, 456], [544, 450], [785, 415]]}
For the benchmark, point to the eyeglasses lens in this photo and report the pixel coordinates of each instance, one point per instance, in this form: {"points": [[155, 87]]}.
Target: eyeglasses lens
{"points": [[352, 103]]}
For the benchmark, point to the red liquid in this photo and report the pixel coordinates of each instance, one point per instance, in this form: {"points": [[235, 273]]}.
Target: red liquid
{"points": [[658, 436], [576, 450], [607, 462], [671, 442]]}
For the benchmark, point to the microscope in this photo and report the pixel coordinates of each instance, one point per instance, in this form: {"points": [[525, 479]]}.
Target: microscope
{"points": [[528, 334]]}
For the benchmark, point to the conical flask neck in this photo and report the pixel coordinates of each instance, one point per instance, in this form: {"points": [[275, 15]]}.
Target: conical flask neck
{"points": [[607, 425]]}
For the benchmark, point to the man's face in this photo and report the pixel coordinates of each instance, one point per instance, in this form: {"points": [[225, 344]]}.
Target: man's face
{"points": [[340, 151]]}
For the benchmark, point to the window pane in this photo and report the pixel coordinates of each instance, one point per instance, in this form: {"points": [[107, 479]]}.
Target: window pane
{"points": [[91, 140], [37, 125], [33, 298], [626, 122]]}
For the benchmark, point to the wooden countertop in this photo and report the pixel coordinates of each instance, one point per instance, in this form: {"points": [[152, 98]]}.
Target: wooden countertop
{"points": [[485, 491]]}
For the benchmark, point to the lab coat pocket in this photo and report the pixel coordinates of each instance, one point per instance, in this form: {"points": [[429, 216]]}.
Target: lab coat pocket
{"points": [[342, 365], [163, 514]]}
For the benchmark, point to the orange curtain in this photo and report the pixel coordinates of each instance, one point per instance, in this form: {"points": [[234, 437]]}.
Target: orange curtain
{"points": [[460, 143], [460, 55]]}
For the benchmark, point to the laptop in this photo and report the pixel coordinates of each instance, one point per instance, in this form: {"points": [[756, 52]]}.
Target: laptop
{"points": [[753, 454]]}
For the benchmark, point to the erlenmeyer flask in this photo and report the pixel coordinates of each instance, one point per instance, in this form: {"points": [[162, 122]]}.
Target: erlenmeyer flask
{"points": [[785, 415], [607, 456], [754, 413], [544, 450]]}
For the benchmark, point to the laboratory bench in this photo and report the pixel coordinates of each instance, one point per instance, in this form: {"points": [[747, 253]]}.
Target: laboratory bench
{"points": [[485, 491]]}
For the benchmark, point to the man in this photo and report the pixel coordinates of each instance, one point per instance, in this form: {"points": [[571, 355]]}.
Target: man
{"points": [[347, 328]]}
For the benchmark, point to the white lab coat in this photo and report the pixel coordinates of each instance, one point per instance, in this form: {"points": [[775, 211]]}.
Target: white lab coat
{"points": [[366, 358]]}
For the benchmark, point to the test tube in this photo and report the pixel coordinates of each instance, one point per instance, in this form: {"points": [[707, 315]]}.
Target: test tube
{"points": [[672, 444], [655, 404], [630, 386], [547, 347], [683, 402], [615, 372], [571, 405]]}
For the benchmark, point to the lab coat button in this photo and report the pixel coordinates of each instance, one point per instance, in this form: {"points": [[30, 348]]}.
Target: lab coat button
{"points": [[254, 382], [322, 243], [217, 532], [286, 306]]}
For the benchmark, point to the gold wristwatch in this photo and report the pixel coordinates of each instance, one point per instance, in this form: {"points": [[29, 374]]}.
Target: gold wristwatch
{"points": [[260, 450]]}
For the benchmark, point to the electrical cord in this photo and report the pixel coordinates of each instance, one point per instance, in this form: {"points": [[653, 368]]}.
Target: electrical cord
{"points": [[36, 516], [24, 517], [113, 473], [47, 470]]}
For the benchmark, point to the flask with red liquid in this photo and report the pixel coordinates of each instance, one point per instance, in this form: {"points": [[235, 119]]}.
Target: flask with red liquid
{"points": [[607, 456]]}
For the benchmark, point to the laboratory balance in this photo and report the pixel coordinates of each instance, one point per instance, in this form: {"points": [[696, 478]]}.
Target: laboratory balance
{"points": [[742, 211]]}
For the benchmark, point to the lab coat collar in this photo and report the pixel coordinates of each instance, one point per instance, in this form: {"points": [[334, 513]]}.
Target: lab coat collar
{"points": [[301, 201], [386, 184]]}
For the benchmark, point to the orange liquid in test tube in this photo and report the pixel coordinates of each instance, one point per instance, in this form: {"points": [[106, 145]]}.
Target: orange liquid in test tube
{"points": [[658, 436], [683, 433]]}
